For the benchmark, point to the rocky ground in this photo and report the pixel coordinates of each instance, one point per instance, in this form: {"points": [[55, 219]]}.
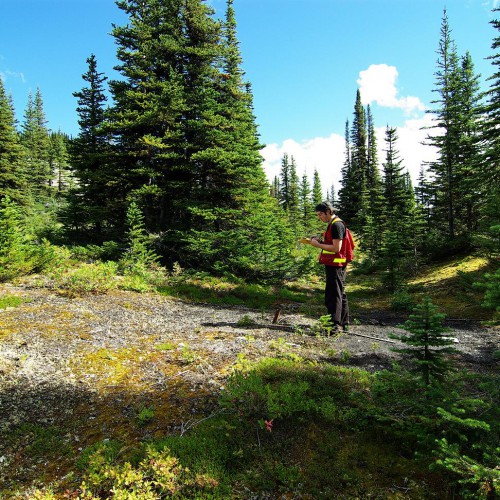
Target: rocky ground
{"points": [[77, 370]]}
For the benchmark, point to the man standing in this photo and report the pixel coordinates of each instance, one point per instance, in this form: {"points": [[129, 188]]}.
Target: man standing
{"points": [[335, 265]]}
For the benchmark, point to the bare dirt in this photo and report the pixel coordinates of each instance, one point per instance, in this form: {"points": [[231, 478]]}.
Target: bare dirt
{"points": [[77, 370]]}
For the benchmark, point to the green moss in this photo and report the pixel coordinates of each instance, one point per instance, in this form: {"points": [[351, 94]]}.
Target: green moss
{"points": [[11, 301], [166, 346]]}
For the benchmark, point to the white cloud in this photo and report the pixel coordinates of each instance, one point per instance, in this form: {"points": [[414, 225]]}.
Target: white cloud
{"points": [[326, 154], [6, 75], [378, 84], [410, 145], [490, 5]]}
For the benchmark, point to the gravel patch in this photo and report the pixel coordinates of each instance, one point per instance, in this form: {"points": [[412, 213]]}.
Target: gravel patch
{"points": [[87, 364]]}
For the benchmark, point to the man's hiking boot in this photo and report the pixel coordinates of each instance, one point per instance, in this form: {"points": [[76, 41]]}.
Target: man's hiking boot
{"points": [[337, 329]]}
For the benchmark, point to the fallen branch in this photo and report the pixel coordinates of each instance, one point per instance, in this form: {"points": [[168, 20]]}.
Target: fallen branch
{"points": [[292, 328], [373, 338], [190, 424]]}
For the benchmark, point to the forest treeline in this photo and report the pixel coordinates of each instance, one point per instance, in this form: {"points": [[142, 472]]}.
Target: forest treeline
{"points": [[177, 146]]}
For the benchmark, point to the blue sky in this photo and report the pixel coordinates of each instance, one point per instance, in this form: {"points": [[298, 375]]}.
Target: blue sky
{"points": [[305, 60]]}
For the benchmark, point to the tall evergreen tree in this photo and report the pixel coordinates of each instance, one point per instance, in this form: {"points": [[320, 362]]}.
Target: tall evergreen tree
{"points": [[373, 178], [395, 192], [399, 223], [423, 193], [185, 134], [240, 178], [331, 195], [359, 163], [275, 187], [457, 190], [372, 172], [91, 210], [317, 190], [12, 181], [151, 121], [346, 177], [306, 208], [285, 181], [490, 168], [353, 195], [294, 203], [35, 139], [59, 161], [492, 108], [448, 132], [470, 189]]}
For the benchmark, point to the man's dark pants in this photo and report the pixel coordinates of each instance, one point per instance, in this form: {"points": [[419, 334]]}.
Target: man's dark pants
{"points": [[335, 297]]}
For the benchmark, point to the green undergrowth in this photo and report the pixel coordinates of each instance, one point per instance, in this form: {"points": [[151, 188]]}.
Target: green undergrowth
{"points": [[10, 301], [283, 428], [288, 429], [457, 287], [222, 292]]}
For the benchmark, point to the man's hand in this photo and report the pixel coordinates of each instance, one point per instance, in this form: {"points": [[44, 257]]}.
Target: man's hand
{"points": [[315, 242]]}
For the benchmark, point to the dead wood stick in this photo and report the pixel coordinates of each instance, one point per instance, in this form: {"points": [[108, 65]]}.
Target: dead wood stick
{"points": [[373, 338]]}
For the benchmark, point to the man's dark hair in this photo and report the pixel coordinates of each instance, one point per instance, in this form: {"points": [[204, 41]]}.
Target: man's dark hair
{"points": [[324, 206]]}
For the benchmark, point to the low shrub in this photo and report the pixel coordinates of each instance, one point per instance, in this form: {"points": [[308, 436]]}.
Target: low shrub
{"points": [[10, 301], [88, 278]]}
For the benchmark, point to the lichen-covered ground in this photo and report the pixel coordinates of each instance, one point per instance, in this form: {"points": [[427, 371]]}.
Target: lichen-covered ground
{"points": [[131, 366]]}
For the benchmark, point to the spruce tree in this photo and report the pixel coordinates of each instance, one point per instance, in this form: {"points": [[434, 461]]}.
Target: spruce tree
{"points": [[428, 344], [306, 208], [372, 171], [285, 181], [346, 177], [456, 182], [275, 188], [317, 190], [15, 251], [59, 162], [139, 254], [373, 178], [12, 180], [393, 177], [92, 210], [187, 147], [289, 194], [446, 140], [353, 195], [400, 221], [489, 176], [231, 147], [423, 194], [35, 139], [331, 195], [369, 218], [293, 208], [491, 164], [151, 122], [471, 191], [393, 254]]}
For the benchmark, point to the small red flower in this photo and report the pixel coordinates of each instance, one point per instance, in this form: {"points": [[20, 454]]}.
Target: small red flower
{"points": [[269, 424]]}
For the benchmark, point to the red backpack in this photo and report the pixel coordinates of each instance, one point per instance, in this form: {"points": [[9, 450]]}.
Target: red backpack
{"points": [[346, 253], [348, 245]]}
